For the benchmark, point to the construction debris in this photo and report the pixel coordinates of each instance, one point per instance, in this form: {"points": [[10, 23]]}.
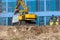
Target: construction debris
{"points": [[33, 33]]}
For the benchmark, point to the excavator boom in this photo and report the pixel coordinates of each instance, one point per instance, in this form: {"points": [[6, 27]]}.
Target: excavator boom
{"points": [[21, 3]]}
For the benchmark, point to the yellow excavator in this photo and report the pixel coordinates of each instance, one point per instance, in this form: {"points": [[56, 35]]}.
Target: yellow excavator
{"points": [[22, 15]]}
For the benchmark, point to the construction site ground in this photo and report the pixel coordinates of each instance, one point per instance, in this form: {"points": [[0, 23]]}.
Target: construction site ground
{"points": [[30, 32]]}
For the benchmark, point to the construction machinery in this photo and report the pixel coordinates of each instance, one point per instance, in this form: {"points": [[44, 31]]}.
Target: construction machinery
{"points": [[22, 15], [54, 20]]}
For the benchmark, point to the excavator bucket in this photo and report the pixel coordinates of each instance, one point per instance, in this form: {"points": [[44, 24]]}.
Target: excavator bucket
{"points": [[15, 18]]}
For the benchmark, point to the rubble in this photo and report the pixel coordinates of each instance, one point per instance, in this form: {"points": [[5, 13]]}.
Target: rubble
{"points": [[32, 33]]}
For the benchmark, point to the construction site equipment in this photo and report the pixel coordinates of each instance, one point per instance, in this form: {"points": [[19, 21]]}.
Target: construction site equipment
{"points": [[54, 21], [22, 15]]}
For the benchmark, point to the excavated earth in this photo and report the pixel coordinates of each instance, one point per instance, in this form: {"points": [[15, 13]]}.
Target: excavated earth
{"points": [[24, 32]]}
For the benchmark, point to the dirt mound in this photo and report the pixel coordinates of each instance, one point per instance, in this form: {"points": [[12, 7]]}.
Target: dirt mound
{"points": [[29, 33]]}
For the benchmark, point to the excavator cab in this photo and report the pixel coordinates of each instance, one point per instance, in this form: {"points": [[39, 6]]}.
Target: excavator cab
{"points": [[23, 15]]}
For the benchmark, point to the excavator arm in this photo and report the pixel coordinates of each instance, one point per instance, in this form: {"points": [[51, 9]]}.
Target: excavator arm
{"points": [[21, 3]]}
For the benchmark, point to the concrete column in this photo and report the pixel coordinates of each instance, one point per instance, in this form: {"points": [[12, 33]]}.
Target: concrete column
{"points": [[38, 21], [44, 20], [44, 5], [6, 6], [6, 21], [25, 2]]}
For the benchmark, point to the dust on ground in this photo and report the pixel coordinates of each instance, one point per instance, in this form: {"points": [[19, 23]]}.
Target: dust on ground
{"points": [[29, 33]]}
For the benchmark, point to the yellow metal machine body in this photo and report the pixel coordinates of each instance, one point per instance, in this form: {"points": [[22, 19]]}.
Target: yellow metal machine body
{"points": [[24, 15], [52, 23], [27, 17]]}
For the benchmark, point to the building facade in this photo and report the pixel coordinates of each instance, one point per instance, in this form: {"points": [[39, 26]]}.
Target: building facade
{"points": [[43, 8], [6, 11]]}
